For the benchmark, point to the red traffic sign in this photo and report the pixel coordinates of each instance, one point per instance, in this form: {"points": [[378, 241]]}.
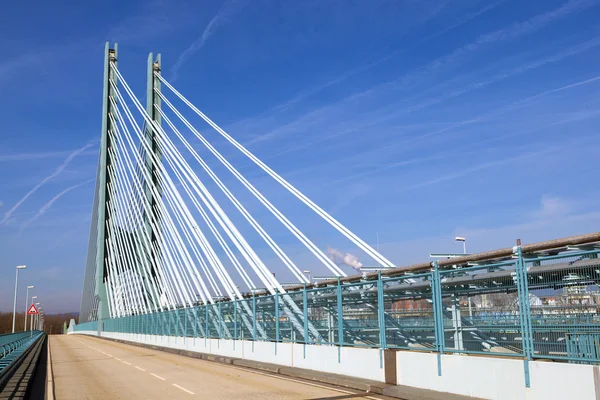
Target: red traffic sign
{"points": [[33, 310]]}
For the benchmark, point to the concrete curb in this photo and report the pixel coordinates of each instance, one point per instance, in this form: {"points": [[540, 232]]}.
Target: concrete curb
{"points": [[49, 376], [364, 385]]}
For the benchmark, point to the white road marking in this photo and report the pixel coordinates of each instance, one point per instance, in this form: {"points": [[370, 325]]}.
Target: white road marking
{"points": [[182, 388], [141, 369], [259, 373], [305, 383]]}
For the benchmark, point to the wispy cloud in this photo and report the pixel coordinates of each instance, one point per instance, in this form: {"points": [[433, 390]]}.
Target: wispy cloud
{"points": [[411, 78], [371, 64], [517, 30], [49, 204], [222, 17], [494, 113], [152, 19], [31, 156], [54, 174], [552, 207], [482, 166]]}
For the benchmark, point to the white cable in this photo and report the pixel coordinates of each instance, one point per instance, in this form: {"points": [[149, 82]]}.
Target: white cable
{"points": [[123, 253], [183, 295], [124, 246], [199, 257], [211, 226], [247, 280], [287, 300], [282, 218], [135, 219], [270, 242], [133, 222], [167, 281], [124, 260], [332, 221], [114, 249], [182, 251], [174, 245], [181, 257], [256, 263], [112, 312], [260, 329]]}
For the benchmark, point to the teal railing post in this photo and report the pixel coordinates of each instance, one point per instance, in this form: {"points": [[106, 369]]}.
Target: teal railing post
{"points": [[340, 320], [381, 318], [524, 311], [195, 322], [220, 319], [276, 299], [438, 316], [305, 312], [253, 320], [205, 322], [381, 312], [234, 321]]}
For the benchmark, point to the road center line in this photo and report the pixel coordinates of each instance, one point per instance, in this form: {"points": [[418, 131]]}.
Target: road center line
{"points": [[159, 377], [141, 369], [125, 362], [182, 388]]}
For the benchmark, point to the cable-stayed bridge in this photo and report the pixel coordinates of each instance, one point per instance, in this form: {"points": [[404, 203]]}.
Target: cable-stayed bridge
{"points": [[177, 259]]}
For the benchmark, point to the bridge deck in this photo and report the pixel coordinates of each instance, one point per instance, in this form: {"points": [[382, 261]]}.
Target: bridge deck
{"points": [[91, 368]]}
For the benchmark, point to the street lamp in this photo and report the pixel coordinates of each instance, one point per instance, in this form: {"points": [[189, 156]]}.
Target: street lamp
{"points": [[464, 242], [31, 319], [308, 273], [26, 306], [37, 316], [15, 302]]}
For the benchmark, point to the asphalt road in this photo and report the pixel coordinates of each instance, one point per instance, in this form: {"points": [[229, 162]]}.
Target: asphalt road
{"points": [[92, 368]]}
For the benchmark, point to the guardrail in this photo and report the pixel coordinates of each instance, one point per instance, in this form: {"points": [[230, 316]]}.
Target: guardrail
{"points": [[13, 346], [547, 306]]}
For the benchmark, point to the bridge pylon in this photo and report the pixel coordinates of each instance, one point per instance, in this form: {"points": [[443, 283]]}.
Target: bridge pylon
{"points": [[104, 178], [152, 161]]}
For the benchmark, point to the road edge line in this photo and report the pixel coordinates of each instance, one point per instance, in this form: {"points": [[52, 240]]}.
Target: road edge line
{"points": [[49, 375]]}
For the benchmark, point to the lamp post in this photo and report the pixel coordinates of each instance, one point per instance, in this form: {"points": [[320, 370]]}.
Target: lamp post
{"points": [[26, 306], [307, 272], [31, 319], [464, 242], [37, 316], [15, 302]]}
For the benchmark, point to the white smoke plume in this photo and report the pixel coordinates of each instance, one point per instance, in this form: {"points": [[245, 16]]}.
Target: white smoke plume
{"points": [[347, 259]]}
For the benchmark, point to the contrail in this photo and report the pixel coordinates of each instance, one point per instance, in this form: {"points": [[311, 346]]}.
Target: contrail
{"points": [[221, 18], [47, 206], [56, 172]]}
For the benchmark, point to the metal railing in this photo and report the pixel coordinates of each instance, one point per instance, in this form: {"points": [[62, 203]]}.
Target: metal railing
{"points": [[12, 345], [523, 306]]}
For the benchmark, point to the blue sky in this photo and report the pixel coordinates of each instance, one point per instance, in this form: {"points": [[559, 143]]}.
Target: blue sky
{"points": [[416, 120]]}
